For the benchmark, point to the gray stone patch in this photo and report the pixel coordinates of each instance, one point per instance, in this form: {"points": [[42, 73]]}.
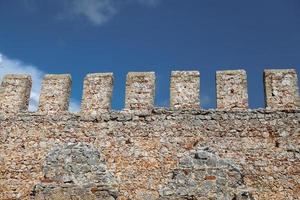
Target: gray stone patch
{"points": [[202, 174], [75, 170]]}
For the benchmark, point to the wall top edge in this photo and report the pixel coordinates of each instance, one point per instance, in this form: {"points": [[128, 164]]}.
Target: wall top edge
{"points": [[237, 71], [155, 111], [279, 70], [17, 76], [57, 76]]}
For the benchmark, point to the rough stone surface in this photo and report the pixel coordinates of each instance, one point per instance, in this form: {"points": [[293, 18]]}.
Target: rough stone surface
{"points": [[281, 88], [143, 152], [161, 154], [232, 89], [97, 93], [140, 91], [75, 170], [185, 90], [203, 174], [14, 93], [55, 93]]}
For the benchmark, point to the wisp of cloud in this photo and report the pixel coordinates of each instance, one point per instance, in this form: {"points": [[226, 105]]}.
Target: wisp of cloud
{"points": [[14, 66]]}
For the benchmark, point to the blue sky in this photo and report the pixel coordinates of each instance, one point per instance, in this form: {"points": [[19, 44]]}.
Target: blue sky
{"points": [[86, 36]]}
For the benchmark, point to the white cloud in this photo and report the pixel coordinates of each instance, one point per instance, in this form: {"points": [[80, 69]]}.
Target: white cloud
{"points": [[98, 11], [13, 66], [1, 60]]}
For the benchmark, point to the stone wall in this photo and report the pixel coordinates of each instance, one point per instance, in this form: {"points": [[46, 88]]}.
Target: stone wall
{"points": [[143, 152]]}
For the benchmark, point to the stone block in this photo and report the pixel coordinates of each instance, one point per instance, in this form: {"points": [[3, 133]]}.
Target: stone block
{"points": [[184, 90], [97, 93], [15, 93], [55, 93], [140, 91], [232, 89], [281, 89]]}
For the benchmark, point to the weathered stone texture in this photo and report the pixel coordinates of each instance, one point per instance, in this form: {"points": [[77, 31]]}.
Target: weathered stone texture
{"points": [[185, 90], [75, 170], [232, 89], [161, 154], [203, 174], [55, 93], [281, 89], [140, 91], [14, 93], [234, 154], [97, 93]]}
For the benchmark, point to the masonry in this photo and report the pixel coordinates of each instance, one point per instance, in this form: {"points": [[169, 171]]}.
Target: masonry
{"points": [[144, 152]]}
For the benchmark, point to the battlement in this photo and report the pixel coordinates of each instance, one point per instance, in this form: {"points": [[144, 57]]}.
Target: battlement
{"points": [[149, 153], [281, 91]]}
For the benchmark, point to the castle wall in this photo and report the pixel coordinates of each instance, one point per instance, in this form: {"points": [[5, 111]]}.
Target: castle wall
{"points": [[145, 152]]}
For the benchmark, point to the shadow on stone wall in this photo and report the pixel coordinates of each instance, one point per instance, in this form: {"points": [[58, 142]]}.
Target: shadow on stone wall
{"points": [[75, 171], [201, 174]]}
